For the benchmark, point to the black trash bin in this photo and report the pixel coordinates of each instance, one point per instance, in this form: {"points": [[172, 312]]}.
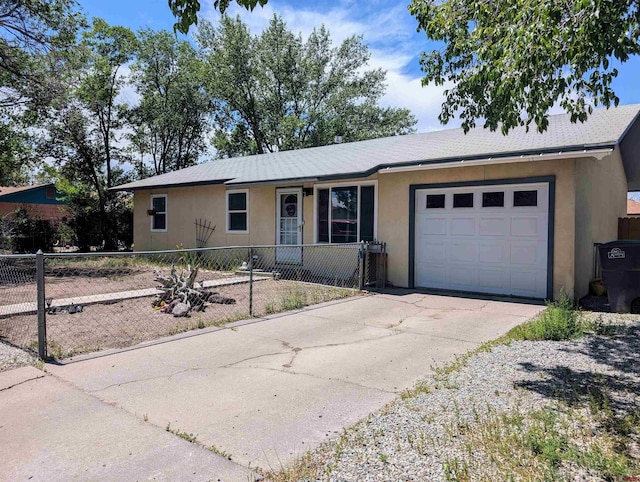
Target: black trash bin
{"points": [[620, 262]]}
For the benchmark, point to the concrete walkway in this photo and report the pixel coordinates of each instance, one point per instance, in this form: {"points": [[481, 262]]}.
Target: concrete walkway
{"points": [[50, 431], [268, 390], [30, 308]]}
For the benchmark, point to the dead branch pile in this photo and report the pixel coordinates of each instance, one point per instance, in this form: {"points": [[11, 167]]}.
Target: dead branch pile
{"points": [[181, 294]]}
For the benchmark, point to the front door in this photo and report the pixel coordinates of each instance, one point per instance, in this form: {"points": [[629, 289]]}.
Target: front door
{"points": [[289, 225]]}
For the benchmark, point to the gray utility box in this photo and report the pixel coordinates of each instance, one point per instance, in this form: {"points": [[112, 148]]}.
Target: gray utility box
{"points": [[620, 262]]}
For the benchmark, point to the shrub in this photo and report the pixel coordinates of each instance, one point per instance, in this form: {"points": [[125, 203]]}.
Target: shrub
{"points": [[30, 234], [559, 321]]}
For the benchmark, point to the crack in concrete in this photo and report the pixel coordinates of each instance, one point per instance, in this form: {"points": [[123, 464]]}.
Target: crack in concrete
{"points": [[316, 377], [231, 365], [21, 383], [138, 380]]}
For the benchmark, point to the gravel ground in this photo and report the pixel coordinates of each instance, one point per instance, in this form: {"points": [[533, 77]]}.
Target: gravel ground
{"points": [[11, 357], [420, 437]]}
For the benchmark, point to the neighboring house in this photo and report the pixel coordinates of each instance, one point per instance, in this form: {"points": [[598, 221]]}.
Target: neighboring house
{"points": [[41, 201], [633, 207], [481, 212]]}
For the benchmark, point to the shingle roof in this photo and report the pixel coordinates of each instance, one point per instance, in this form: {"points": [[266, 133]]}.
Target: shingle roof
{"points": [[604, 128]]}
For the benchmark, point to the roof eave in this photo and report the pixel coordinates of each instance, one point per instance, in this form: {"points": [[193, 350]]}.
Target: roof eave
{"points": [[131, 187]]}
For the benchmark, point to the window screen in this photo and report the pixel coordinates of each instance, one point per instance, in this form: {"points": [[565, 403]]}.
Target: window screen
{"points": [[344, 214]]}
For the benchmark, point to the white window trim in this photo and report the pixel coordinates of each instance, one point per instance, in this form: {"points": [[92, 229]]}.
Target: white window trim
{"points": [[227, 212], [329, 186], [166, 214]]}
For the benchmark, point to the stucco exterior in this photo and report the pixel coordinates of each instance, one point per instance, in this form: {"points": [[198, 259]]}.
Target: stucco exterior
{"points": [[186, 204], [590, 195], [601, 198]]}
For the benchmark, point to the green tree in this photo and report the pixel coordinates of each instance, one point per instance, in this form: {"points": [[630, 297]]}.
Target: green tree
{"points": [[276, 91], [171, 120], [17, 155], [35, 36], [186, 11], [83, 130], [510, 61]]}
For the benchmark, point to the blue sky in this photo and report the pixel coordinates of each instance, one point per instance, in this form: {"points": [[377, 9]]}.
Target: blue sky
{"points": [[386, 26]]}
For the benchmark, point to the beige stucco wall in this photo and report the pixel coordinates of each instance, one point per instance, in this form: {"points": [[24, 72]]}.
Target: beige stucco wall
{"points": [[393, 220], [590, 195], [601, 198], [186, 204]]}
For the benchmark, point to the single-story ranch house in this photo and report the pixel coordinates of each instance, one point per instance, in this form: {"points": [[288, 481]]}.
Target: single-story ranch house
{"points": [[476, 212]]}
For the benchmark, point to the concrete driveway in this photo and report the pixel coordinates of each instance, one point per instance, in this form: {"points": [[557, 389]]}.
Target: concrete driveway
{"points": [[266, 391]]}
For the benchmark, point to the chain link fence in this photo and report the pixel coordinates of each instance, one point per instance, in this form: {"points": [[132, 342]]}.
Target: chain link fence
{"points": [[96, 301], [18, 301]]}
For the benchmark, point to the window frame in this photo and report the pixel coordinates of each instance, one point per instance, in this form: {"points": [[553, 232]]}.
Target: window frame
{"points": [[473, 200], [330, 186], [524, 206], [228, 212], [165, 212], [501, 206]]}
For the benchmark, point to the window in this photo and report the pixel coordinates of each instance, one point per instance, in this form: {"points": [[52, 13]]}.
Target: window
{"points": [[50, 193], [435, 201], [238, 211], [525, 198], [159, 212], [323, 215], [493, 199], [345, 214], [464, 200]]}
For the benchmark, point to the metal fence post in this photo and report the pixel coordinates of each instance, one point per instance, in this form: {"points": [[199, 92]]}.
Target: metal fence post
{"points": [[42, 315], [251, 282], [361, 254]]}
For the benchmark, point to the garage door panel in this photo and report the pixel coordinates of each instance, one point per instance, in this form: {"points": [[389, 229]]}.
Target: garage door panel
{"points": [[434, 226], [463, 226], [493, 226], [527, 226], [528, 283], [465, 252], [493, 280], [433, 273], [432, 252], [501, 250], [524, 255], [460, 277], [491, 253]]}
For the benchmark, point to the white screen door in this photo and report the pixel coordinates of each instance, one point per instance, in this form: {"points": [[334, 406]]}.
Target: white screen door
{"points": [[289, 225]]}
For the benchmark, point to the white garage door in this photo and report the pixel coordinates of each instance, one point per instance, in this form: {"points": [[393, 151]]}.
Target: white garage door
{"points": [[489, 239]]}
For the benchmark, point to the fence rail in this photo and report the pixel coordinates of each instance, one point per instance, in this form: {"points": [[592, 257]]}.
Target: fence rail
{"points": [[63, 304]]}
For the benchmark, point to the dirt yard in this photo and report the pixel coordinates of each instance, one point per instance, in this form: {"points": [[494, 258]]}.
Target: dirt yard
{"points": [[126, 323]]}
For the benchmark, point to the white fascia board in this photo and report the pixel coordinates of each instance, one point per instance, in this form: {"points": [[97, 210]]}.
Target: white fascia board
{"points": [[595, 153]]}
